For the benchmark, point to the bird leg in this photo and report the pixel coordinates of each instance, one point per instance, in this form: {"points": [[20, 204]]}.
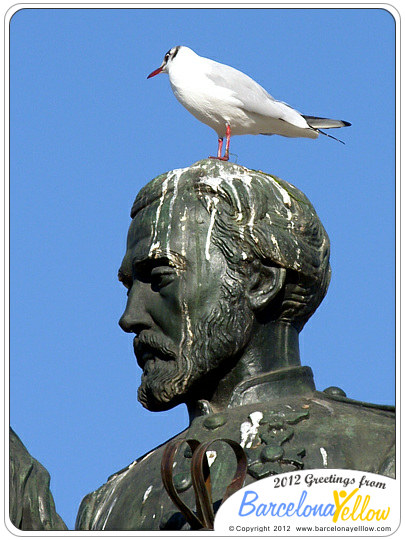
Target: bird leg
{"points": [[228, 142], [218, 156], [220, 142]]}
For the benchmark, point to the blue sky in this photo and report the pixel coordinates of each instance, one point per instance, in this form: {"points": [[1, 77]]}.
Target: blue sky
{"points": [[88, 131]]}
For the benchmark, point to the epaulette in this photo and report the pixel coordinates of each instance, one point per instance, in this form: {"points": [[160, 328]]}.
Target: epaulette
{"points": [[337, 394]]}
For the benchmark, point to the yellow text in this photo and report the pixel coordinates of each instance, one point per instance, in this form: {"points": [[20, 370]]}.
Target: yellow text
{"points": [[359, 510]]}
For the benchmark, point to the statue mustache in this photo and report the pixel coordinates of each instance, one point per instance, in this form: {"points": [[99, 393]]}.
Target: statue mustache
{"points": [[151, 343]]}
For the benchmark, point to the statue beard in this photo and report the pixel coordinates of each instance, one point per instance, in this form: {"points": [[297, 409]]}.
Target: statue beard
{"points": [[208, 344]]}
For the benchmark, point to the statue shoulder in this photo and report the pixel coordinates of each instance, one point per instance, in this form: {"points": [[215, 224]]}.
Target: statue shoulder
{"points": [[95, 506], [374, 425], [336, 394]]}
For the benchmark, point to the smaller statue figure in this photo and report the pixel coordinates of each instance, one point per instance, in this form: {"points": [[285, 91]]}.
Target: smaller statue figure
{"points": [[32, 507]]}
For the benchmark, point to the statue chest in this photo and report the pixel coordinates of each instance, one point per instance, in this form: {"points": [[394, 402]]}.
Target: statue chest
{"points": [[274, 440], [309, 432]]}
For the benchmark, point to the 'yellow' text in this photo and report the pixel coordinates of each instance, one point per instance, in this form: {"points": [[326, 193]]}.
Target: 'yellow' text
{"points": [[359, 510]]}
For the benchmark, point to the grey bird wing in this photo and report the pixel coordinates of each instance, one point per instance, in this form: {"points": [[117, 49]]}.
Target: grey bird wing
{"points": [[251, 96]]}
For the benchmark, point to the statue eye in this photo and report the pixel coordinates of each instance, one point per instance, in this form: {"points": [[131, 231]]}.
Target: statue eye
{"points": [[161, 276]]}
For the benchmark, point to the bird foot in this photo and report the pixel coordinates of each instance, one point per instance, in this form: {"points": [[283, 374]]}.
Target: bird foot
{"points": [[220, 158]]}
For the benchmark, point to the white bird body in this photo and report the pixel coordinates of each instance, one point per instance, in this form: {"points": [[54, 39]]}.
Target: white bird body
{"points": [[207, 90], [229, 101]]}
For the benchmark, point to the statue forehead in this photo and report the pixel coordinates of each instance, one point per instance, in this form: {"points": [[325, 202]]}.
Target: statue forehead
{"points": [[164, 187], [169, 213], [171, 223], [178, 228]]}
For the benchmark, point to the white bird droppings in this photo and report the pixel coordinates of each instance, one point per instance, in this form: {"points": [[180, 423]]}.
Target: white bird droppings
{"points": [[248, 430], [324, 456], [155, 244], [147, 493], [215, 201], [211, 457], [283, 192]]}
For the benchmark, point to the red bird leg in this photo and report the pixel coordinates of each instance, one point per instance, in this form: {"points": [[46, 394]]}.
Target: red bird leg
{"points": [[220, 141], [218, 156], [228, 142]]}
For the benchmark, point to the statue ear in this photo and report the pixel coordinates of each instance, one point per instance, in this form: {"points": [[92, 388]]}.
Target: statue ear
{"points": [[263, 286]]}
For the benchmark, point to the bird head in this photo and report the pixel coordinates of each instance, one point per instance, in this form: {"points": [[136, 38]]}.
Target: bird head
{"points": [[169, 57]]}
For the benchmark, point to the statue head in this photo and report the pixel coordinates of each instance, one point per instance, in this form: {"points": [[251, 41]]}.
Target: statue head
{"points": [[221, 261]]}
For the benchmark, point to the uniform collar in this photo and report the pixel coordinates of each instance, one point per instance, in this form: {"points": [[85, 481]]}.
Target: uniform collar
{"points": [[263, 388], [273, 385]]}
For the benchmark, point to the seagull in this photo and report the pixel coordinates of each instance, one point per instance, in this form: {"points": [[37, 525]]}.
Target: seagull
{"points": [[232, 103]]}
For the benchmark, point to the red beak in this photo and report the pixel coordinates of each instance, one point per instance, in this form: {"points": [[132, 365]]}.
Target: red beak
{"points": [[156, 72]]}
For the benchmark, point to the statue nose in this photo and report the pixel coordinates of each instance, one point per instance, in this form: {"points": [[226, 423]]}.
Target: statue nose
{"points": [[135, 317], [125, 322], [133, 322]]}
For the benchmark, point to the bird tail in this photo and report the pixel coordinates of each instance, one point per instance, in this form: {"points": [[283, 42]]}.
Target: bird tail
{"points": [[326, 123]]}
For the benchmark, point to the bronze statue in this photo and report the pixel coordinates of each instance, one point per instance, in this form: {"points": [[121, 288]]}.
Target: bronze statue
{"points": [[32, 507], [224, 266]]}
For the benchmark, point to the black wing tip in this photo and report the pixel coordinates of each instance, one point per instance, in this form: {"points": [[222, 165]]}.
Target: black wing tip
{"points": [[346, 123]]}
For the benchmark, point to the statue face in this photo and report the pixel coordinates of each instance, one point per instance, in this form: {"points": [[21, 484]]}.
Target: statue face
{"points": [[188, 311]]}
